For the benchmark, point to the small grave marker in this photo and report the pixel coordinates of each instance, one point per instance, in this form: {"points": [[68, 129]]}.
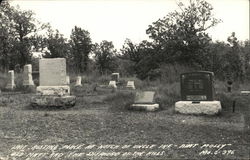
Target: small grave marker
{"points": [[112, 84], [11, 80], [145, 101], [131, 84], [78, 81], [27, 75]]}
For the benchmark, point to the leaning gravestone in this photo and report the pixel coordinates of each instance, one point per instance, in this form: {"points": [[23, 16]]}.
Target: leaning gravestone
{"points": [[11, 80], [197, 94], [145, 101], [130, 85], [53, 89], [27, 75]]}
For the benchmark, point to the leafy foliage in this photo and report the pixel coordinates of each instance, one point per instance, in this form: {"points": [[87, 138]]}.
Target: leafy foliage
{"points": [[81, 46]]}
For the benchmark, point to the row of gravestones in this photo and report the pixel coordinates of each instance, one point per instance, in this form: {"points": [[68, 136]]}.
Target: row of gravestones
{"points": [[197, 89], [115, 79]]}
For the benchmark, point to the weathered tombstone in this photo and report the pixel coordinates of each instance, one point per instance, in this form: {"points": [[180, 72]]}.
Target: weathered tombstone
{"points": [[53, 89], [145, 101], [115, 77], [67, 80], [131, 85], [112, 84], [78, 81], [197, 94], [11, 80], [27, 75]]}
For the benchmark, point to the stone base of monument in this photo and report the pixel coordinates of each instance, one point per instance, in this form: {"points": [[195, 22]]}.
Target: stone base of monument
{"points": [[200, 107], [53, 90], [145, 107], [245, 93], [53, 101]]}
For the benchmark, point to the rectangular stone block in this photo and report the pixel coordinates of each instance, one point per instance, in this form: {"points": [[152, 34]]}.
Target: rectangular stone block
{"points": [[199, 107], [27, 75], [52, 72], [53, 90]]}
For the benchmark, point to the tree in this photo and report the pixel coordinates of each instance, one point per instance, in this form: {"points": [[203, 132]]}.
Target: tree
{"points": [[104, 55], [181, 35], [17, 27], [81, 46], [57, 45]]}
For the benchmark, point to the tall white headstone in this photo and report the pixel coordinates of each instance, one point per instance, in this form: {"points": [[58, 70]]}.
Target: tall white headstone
{"points": [[11, 80], [52, 77], [27, 75]]}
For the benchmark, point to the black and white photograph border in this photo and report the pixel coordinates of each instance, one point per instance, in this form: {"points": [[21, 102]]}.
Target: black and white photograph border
{"points": [[124, 79]]}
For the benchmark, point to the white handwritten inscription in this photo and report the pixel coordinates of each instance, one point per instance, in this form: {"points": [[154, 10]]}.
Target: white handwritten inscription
{"points": [[110, 150]]}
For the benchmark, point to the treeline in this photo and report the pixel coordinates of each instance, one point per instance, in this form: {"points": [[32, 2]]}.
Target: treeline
{"points": [[178, 42]]}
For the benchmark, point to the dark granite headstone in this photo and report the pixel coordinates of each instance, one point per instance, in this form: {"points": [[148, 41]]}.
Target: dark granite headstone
{"points": [[197, 86]]}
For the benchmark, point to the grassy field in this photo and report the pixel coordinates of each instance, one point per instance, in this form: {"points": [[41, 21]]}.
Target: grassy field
{"points": [[100, 127]]}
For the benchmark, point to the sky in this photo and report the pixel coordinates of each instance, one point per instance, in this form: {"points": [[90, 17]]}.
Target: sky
{"points": [[116, 20]]}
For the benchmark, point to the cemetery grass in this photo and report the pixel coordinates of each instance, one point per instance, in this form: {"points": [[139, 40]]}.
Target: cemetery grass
{"points": [[101, 117]]}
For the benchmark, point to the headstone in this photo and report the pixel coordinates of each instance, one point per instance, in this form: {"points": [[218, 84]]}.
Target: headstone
{"points": [[67, 80], [197, 86], [144, 97], [112, 84], [115, 77], [27, 75], [53, 89], [11, 80], [52, 77], [78, 81], [52, 72], [145, 101], [131, 85], [197, 94]]}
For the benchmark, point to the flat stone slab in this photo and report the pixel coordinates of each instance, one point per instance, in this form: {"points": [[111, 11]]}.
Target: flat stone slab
{"points": [[246, 93], [53, 90], [145, 107], [201, 107], [53, 101], [146, 97]]}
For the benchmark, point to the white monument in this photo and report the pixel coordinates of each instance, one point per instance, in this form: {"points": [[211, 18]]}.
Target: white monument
{"points": [[78, 81], [27, 75], [131, 85], [11, 80], [53, 89], [112, 84]]}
